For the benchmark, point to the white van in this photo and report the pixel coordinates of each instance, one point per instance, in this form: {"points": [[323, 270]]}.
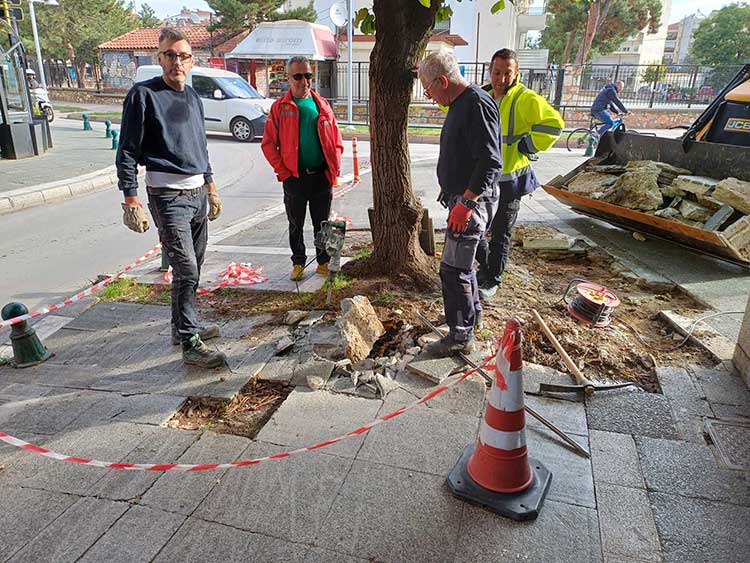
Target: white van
{"points": [[230, 104]]}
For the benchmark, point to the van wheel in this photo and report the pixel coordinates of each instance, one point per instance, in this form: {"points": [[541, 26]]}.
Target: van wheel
{"points": [[242, 130]]}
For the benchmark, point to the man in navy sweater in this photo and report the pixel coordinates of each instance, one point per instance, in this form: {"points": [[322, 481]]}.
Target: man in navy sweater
{"points": [[607, 99], [163, 129], [468, 169]]}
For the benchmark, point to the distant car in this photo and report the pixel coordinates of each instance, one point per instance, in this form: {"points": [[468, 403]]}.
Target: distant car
{"points": [[230, 104]]}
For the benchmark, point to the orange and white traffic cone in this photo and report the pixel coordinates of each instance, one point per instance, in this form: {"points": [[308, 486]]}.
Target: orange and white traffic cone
{"points": [[496, 472], [356, 160]]}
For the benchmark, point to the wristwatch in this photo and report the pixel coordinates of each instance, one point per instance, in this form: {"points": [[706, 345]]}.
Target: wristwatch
{"points": [[469, 203]]}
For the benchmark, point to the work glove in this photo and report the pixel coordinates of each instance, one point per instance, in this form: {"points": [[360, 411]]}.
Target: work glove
{"points": [[526, 145], [134, 218], [214, 206], [459, 217]]}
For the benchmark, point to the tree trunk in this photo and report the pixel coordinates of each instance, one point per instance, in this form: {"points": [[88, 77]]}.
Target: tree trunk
{"points": [[404, 26], [588, 36], [568, 47]]}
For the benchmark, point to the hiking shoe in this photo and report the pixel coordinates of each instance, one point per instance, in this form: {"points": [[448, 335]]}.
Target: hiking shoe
{"points": [[298, 272], [322, 269], [205, 333], [447, 346], [488, 291], [195, 352]]}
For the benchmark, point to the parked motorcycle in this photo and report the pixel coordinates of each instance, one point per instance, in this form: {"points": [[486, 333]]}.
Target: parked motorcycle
{"points": [[41, 102]]}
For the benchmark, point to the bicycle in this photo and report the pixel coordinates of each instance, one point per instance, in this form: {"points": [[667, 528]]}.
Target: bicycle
{"points": [[581, 137]]}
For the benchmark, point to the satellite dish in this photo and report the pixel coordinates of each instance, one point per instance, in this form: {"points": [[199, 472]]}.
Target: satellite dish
{"points": [[338, 14]]}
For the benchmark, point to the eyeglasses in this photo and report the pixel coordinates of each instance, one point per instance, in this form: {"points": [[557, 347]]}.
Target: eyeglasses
{"points": [[171, 56], [427, 89], [300, 75]]}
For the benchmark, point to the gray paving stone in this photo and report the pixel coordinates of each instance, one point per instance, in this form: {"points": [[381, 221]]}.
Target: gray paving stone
{"points": [[316, 555], [466, 397], [287, 499], [435, 370], [95, 349], [722, 386], [164, 445], [534, 374], [71, 534], [572, 477], [422, 439], [687, 398], [569, 417], [149, 409], [677, 383], [562, 534], [25, 513], [615, 459], [138, 536], [388, 514], [696, 531], [689, 469], [145, 319], [54, 375], [183, 492], [627, 523], [196, 538], [56, 410], [280, 370], [631, 412], [239, 328], [739, 412], [106, 315], [308, 417]]}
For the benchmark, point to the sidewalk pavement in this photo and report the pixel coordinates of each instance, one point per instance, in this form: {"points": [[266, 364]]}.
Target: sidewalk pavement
{"points": [[655, 489], [79, 162]]}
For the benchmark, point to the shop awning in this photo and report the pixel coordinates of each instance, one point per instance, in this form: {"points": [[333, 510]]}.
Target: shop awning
{"points": [[284, 39]]}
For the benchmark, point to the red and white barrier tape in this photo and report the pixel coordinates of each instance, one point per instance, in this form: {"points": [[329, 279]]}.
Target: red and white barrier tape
{"points": [[81, 294], [17, 442], [336, 217], [234, 275]]}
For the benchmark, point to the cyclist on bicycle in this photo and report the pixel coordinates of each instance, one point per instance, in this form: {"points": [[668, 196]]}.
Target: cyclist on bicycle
{"points": [[607, 99]]}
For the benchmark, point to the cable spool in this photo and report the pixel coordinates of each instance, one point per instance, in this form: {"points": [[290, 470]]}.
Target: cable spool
{"points": [[593, 304]]}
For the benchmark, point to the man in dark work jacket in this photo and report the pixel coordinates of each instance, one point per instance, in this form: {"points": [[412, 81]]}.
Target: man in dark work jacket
{"points": [[163, 129], [469, 165]]}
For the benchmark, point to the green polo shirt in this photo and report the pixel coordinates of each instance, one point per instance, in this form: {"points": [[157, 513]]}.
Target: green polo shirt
{"points": [[310, 151]]}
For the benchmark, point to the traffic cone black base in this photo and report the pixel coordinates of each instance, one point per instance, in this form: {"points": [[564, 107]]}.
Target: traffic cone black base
{"points": [[521, 506]]}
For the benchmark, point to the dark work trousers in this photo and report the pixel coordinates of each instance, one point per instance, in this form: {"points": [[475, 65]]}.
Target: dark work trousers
{"points": [[182, 219], [457, 275], [493, 255], [313, 190]]}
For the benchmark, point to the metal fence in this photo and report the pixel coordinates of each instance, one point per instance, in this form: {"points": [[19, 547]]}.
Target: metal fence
{"points": [[646, 86]]}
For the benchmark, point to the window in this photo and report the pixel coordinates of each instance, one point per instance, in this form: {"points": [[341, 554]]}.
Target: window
{"points": [[204, 86]]}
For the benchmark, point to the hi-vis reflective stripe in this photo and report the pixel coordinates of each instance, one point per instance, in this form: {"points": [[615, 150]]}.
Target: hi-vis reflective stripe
{"points": [[510, 400], [546, 129], [501, 440], [510, 138], [514, 174]]}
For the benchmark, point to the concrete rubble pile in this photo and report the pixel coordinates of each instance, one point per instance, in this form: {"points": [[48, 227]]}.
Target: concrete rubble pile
{"points": [[672, 193]]}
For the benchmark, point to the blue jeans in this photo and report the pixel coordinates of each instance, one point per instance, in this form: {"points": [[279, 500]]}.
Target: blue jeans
{"points": [[605, 117], [182, 219]]}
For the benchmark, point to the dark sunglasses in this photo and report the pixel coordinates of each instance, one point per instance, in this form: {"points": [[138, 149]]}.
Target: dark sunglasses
{"points": [[299, 75]]}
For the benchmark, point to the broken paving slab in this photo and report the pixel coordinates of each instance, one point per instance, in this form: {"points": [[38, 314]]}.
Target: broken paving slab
{"points": [[703, 335], [698, 185], [436, 370], [591, 184], [637, 189], [735, 193]]}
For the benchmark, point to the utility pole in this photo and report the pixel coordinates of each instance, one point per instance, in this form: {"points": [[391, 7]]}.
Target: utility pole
{"points": [[349, 70]]}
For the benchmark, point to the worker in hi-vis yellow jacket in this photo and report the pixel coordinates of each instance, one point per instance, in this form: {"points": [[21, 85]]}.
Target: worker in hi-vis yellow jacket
{"points": [[529, 125]]}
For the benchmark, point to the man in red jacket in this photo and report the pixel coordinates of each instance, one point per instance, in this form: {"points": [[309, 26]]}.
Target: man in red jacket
{"points": [[303, 144]]}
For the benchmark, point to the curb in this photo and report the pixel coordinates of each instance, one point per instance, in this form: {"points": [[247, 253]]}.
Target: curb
{"points": [[41, 194]]}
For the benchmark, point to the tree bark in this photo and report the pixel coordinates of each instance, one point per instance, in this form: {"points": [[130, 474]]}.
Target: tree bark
{"points": [[403, 29], [568, 47], [588, 36]]}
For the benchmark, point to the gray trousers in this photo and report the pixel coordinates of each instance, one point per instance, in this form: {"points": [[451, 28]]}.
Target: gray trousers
{"points": [[457, 275]]}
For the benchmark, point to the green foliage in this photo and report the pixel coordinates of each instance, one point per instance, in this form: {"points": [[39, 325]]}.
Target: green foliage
{"points": [[654, 73], [363, 254], [238, 15], [127, 289], [364, 19], [722, 38], [147, 17], [304, 13], [384, 299], [340, 281]]}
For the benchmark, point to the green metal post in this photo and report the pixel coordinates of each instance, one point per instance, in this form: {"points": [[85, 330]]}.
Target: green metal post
{"points": [[28, 350], [114, 139], [86, 123], [108, 125]]}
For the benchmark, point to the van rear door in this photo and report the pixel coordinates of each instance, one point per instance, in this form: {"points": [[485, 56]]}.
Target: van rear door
{"points": [[215, 109]]}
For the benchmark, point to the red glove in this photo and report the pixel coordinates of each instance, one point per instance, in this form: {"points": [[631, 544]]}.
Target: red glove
{"points": [[458, 218]]}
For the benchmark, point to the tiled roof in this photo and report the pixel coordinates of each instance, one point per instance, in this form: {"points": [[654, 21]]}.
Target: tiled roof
{"points": [[230, 44], [197, 35]]}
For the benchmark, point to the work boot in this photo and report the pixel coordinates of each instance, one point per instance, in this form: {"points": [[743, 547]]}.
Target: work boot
{"points": [[322, 269], [298, 272], [488, 290], [195, 352], [447, 346], [206, 333]]}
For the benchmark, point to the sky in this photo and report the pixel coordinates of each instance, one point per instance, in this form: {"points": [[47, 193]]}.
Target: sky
{"points": [[680, 8]]}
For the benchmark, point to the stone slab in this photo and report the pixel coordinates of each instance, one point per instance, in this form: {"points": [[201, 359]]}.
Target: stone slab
{"points": [[240, 328], [107, 315], [25, 513], [687, 469], [279, 370], [466, 397], [436, 370], [52, 412], [563, 533], [566, 415], [722, 386], [164, 445], [308, 417], [183, 492], [68, 537], [422, 439], [695, 530], [615, 459], [136, 537], [572, 477], [316, 555], [627, 523], [287, 499], [369, 515], [689, 406], [631, 412], [94, 348], [704, 336], [54, 375], [197, 538]]}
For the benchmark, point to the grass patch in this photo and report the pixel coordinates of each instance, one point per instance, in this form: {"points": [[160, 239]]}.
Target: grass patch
{"points": [[129, 291], [384, 299], [68, 109], [363, 254], [105, 114], [339, 281]]}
